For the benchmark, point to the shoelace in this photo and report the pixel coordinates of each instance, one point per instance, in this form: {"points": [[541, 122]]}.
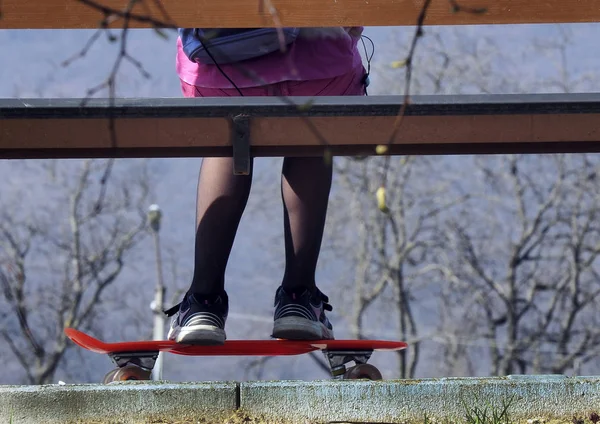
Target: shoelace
{"points": [[326, 306], [174, 309], [325, 300]]}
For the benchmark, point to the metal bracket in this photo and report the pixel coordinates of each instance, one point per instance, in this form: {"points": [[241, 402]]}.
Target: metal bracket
{"points": [[339, 358], [240, 140], [144, 360]]}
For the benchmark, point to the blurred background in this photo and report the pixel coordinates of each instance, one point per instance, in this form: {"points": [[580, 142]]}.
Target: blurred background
{"points": [[485, 265]]}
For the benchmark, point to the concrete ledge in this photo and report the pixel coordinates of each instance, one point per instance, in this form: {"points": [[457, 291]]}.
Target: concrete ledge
{"points": [[548, 397], [122, 402], [553, 399]]}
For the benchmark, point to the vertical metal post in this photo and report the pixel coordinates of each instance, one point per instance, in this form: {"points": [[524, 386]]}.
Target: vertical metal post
{"points": [[154, 216]]}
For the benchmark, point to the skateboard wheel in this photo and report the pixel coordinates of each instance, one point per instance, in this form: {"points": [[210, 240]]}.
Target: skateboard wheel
{"points": [[367, 371], [109, 376], [128, 372]]}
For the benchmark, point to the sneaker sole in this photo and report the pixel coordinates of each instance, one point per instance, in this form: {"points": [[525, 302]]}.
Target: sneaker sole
{"points": [[296, 328], [204, 335]]}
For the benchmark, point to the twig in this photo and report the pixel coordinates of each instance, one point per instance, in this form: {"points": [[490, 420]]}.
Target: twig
{"points": [[411, 54], [458, 8], [85, 49], [110, 82], [111, 15], [123, 55], [408, 63], [258, 363], [115, 13]]}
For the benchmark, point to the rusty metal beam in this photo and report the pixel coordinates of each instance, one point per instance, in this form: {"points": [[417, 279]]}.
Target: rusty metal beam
{"points": [[45, 128], [77, 14]]}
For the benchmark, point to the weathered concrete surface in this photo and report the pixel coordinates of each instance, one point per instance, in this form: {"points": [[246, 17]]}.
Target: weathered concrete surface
{"points": [[550, 397], [122, 402], [556, 398]]}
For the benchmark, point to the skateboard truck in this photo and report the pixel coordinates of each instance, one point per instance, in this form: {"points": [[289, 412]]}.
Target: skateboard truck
{"points": [[131, 366], [144, 360], [339, 358]]}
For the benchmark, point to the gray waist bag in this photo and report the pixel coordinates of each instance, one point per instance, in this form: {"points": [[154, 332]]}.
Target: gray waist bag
{"points": [[228, 45]]}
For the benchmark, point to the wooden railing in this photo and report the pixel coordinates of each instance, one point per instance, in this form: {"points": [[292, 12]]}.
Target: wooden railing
{"points": [[270, 127], [260, 13]]}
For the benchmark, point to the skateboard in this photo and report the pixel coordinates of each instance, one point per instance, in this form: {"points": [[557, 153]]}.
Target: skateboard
{"points": [[136, 359]]}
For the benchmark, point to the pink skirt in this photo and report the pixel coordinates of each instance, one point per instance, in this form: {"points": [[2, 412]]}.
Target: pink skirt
{"points": [[349, 84]]}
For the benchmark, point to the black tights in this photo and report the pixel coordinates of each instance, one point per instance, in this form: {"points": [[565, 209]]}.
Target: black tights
{"points": [[222, 198]]}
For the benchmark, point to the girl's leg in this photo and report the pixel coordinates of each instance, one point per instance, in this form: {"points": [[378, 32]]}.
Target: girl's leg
{"points": [[305, 186], [306, 182], [220, 203]]}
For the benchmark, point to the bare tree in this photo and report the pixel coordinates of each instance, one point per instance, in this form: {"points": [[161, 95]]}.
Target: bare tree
{"points": [[391, 250], [566, 79], [527, 262], [384, 266], [57, 259], [522, 198]]}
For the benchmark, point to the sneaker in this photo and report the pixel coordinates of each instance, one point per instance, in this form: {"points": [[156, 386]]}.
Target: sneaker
{"points": [[200, 319], [300, 315]]}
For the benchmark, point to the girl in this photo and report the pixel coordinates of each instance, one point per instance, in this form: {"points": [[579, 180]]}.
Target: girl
{"points": [[319, 62]]}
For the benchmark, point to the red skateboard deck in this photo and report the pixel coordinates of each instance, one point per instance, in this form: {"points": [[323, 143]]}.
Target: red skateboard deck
{"points": [[135, 360], [274, 347]]}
